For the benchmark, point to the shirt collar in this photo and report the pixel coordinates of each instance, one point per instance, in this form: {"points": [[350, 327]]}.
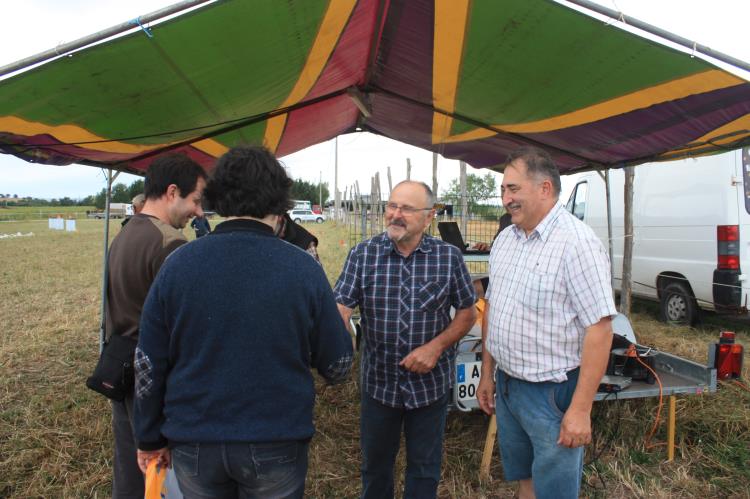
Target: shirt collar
{"points": [[387, 246], [243, 224], [544, 228]]}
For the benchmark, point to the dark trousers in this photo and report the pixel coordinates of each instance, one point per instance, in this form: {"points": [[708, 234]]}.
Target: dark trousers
{"points": [[380, 435], [241, 470], [127, 479]]}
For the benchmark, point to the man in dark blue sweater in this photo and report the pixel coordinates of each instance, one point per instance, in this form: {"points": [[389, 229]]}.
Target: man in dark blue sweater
{"points": [[227, 386]]}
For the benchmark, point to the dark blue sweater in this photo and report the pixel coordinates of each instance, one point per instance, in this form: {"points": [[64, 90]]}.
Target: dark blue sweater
{"points": [[224, 354]]}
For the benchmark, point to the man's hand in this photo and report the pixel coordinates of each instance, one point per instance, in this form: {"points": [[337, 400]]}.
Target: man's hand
{"points": [[422, 359], [163, 455], [575, 429], [486, 393], [481, 246]]}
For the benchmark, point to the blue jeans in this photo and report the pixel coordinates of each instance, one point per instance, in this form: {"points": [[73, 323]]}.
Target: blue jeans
{"points": [[380, 435], [241, 470], [528, 425]]}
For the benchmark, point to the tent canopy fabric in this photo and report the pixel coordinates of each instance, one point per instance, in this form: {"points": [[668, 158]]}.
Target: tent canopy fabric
{"points": [[471, 80]]}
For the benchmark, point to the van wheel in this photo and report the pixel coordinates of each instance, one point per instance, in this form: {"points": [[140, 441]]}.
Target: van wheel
{"points": [[297, 221], [318, 220], [678, 305]]}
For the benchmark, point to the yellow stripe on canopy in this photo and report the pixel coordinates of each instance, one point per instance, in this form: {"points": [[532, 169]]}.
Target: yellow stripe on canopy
{"points": [[74, 134], [705, 81], [451, 18], [333, 25], [726, 135]]}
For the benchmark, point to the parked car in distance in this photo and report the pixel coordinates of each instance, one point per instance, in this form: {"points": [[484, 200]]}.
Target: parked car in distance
{"points": [[300, 216]]}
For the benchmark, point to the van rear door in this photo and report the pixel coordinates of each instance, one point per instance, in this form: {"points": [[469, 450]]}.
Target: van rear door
{"points": [[737, 285]]}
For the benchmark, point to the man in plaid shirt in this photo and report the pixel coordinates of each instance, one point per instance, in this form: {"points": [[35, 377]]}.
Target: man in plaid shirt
{"points": [[405, 284]]}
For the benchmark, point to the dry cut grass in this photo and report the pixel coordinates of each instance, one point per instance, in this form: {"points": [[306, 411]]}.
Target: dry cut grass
{"points": [[55, 437]]}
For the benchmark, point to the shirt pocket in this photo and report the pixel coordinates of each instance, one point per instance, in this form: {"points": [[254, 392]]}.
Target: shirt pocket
{"points": [[538, 290], [431, 296]]}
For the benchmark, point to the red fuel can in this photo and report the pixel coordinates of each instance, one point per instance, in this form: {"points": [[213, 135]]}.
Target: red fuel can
{"points": [[728, 357]]}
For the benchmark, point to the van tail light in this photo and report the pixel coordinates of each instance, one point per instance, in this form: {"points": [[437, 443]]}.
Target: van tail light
{"points": [[728, 232], [729, 262], [728, 247]]}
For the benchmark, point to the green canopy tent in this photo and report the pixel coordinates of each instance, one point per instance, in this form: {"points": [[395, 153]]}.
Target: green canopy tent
{"points": [[471, 80], [468, 79]]}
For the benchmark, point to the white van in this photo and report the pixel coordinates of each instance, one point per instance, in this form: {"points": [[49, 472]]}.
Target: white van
{"points": [[691, 231]]}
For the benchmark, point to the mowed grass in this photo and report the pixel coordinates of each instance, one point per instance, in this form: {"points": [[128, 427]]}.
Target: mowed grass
{"points": [[55, 437]]}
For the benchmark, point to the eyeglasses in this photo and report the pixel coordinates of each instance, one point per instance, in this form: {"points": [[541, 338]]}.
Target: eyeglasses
{"points": [[405, 209]]}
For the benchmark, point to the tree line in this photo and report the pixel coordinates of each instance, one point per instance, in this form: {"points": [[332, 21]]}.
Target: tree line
{"points": [[479, 190], [121, 193]]}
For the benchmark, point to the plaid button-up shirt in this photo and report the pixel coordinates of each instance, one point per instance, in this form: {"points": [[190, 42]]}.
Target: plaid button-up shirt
{"points": [[545, 290], [404, 303]]}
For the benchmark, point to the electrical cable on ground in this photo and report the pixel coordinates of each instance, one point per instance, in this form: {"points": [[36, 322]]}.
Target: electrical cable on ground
{"points": [[647, 441]]}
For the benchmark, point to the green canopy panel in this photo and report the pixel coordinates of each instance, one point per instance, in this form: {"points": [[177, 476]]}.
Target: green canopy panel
{"points": [[471, 80]]}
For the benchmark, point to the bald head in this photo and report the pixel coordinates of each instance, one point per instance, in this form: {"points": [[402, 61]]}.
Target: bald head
{"points": [[414, 187]]}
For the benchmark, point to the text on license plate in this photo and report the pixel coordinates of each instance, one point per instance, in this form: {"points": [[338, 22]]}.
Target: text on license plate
{"points": [[467, 380]]}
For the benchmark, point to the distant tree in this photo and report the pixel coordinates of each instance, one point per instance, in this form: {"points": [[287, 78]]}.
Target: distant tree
{"points": [[135, 188], [479, 189], [15, 196], [120, 194], [100, 199], [87, 201], [66, 201], [307, 191]]}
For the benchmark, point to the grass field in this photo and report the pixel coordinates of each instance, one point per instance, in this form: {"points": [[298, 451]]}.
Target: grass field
{"points": [[55, 437]]}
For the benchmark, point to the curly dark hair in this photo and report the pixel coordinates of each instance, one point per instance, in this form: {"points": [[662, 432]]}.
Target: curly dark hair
{"points": [[248, 181]]}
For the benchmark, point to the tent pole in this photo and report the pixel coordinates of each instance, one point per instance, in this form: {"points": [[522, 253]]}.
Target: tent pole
{"points": [[464, 201], [336, 195], [105, 259], [627, 244], [649, 28], [99, 36], [611, 246], [434, 175]]}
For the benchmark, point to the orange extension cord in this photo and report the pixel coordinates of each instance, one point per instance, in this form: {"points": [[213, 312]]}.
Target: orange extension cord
{"points": [[632, 352]]}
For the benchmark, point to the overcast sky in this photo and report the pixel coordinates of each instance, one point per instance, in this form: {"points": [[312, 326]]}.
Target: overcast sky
{"points": [[38, 25]]}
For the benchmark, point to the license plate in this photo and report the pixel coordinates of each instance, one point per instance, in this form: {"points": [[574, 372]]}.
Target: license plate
{"points": [[467, 380]]}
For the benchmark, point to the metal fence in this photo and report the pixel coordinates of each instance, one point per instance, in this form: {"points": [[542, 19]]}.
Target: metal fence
{"points": [[477, 220]]}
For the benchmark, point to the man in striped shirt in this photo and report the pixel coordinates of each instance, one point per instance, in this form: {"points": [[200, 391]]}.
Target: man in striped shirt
{"points": [[547, 331], [405, 284]]}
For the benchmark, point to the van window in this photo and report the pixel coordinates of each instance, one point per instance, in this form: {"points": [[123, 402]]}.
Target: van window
{"points": [[746, 176], [577, 202]]}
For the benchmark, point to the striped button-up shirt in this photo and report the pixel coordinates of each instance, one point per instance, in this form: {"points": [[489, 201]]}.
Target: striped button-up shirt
{"points": [[545, 290], [404, 302]]}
